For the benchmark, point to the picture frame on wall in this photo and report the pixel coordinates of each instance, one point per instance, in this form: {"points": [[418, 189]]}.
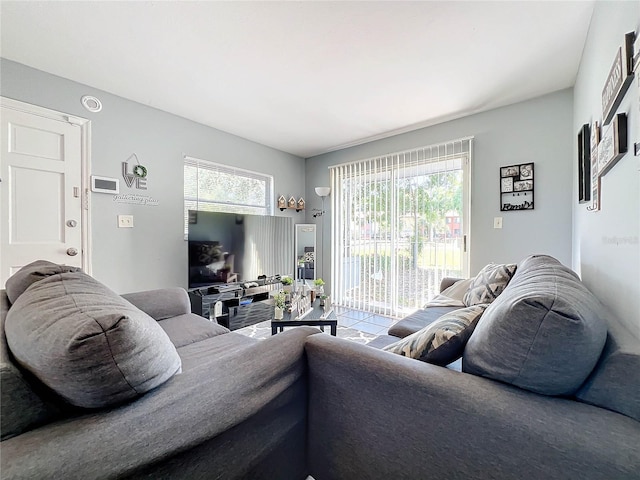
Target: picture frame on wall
{"points": [[636, 53], [595, 178], [512, 171], [516, 187], [506, 184], [613, 144], [584, 164], [636, 69], [619, 78]]}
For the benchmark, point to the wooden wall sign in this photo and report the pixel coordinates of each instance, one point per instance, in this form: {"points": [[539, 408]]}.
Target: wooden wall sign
{"points": [[619, 78], [595, 178], [584, 164], [613, 144]]}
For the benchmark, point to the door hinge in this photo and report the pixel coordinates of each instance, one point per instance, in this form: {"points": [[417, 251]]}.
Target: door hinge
{"points": [[85, 199]]}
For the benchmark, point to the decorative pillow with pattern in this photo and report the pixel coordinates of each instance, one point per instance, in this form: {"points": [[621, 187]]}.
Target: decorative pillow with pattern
{"points": [[489, 283], [443, 341]]}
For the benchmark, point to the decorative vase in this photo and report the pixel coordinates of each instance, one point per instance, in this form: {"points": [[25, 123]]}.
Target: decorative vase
{"points": [[278, 313], [287, 288], [327, 304], [320, 290], [313, 296]]}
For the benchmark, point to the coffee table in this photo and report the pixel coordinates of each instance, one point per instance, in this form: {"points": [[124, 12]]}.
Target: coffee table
{"points": [[315, 318]]}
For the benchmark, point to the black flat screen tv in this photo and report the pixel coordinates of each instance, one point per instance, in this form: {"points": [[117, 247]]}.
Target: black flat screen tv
{"points": [[231, 247]]}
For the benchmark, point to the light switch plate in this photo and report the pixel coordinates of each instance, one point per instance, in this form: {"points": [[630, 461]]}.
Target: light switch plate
{"points": [[125, 221], [497, 222]]}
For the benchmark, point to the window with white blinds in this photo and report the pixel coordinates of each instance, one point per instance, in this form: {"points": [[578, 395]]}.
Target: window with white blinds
{"points": [[220, 188], [399, 225]]}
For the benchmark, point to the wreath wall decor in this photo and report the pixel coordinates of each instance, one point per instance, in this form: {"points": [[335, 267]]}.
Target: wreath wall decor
{"points": [[140, 171], [138, 176]]}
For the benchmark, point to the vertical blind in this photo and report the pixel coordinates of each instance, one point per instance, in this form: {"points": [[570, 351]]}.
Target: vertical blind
{"points": [[267, 247], [398, 226]]}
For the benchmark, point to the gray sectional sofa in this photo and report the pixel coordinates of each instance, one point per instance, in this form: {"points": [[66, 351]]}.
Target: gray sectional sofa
{"points": [[237, 409], [303, 403], [374, 414]]}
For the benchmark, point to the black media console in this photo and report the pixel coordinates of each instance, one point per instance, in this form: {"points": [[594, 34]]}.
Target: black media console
{"points": [[241, 306]]}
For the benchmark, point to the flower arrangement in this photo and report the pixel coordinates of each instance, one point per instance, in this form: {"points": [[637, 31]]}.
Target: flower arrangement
{"points": [[319, 283], [279, 299], [286, 280]]}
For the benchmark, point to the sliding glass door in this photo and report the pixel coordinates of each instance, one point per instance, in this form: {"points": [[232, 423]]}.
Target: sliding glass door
{"points": [[399, 226]]}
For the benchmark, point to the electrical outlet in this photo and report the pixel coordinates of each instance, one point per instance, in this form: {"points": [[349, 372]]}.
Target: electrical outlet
{"points": [[125, 221], [497, 222]]}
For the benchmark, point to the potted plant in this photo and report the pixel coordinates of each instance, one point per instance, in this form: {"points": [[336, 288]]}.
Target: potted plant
{"points": [[324, 300], [287, 284], [319, 283], [279, 302]]}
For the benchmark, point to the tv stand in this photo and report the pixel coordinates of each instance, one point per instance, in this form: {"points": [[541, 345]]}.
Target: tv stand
{"points": [[241, 306]]}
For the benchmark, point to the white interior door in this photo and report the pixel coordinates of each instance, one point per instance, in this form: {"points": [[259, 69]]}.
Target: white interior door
{"points": [[40, 191]]}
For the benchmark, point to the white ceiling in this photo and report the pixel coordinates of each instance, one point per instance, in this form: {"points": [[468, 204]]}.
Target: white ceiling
{"points": [[306, 77]]}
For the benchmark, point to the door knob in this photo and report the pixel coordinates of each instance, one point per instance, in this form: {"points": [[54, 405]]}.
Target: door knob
{"points": [[71, 223], [72, 252]]}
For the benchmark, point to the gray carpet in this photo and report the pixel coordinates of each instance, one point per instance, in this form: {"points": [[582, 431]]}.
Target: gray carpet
{"points": [[263, 330]]}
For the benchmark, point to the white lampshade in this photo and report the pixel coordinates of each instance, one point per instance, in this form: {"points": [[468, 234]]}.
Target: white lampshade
{"points": [[323, 191]]}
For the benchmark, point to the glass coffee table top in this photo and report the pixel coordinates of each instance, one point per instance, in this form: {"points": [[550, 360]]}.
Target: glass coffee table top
{"points": [[316, 317]]}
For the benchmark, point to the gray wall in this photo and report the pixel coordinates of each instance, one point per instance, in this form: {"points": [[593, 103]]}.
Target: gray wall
{"points": [[605, 243], [539, 131], [153, 254]]}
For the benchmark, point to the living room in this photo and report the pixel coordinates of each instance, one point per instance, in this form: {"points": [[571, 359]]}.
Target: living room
{"points": [[601, 246]]}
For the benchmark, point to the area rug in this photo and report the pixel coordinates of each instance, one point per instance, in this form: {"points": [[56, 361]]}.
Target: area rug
{"points": [[263, 330]]}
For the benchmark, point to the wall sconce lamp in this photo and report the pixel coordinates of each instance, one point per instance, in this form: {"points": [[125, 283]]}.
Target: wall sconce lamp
{"points": [[322, 192]]}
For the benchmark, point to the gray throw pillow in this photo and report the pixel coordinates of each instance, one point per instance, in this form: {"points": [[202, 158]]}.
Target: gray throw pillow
{"points": [[544, 333], [21, 408], [443, 341], [86, 343], [489, 283], [34, 272]]}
